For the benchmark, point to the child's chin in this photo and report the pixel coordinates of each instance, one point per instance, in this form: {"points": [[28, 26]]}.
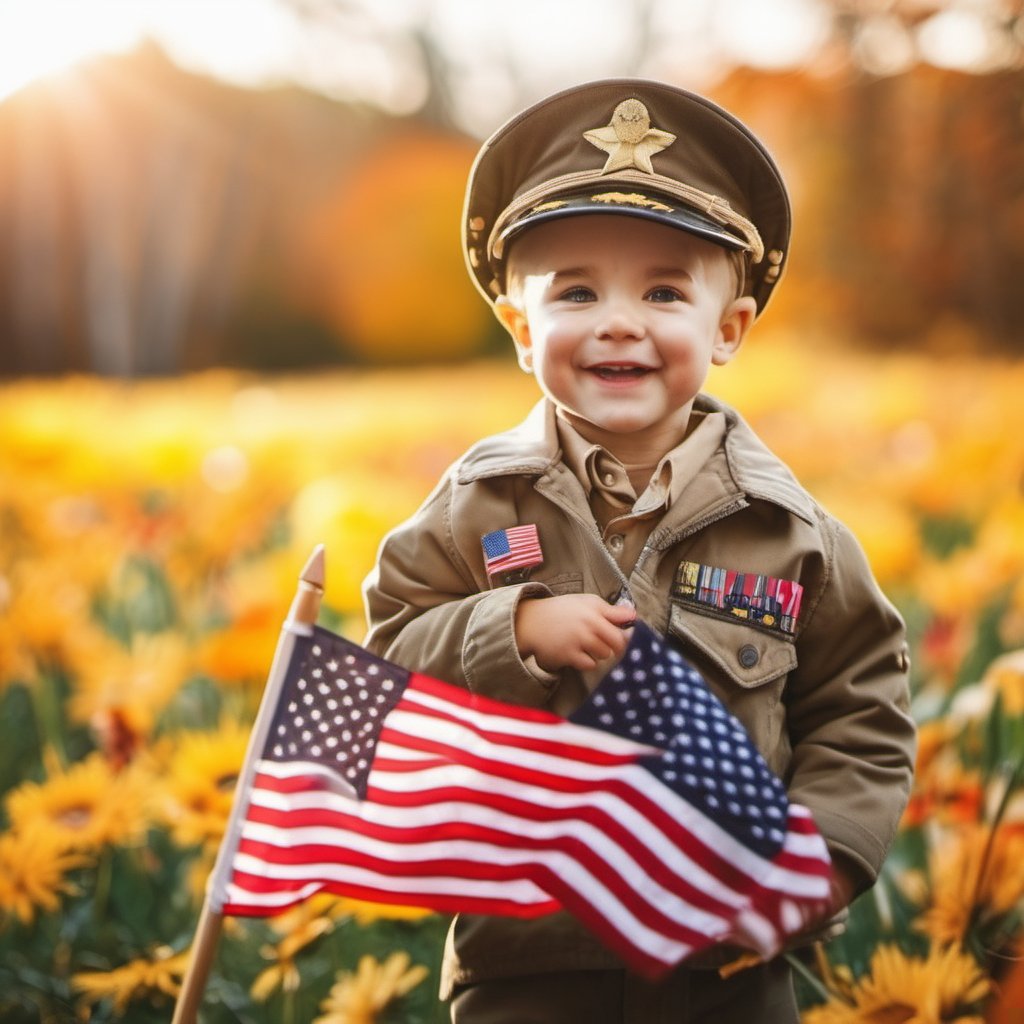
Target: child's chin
{"points": [[620, 425]]}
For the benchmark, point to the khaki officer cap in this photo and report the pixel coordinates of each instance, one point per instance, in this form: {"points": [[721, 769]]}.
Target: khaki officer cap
{"points": [[628, 146]]}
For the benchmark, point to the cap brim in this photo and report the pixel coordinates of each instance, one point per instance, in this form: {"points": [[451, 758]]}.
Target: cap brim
{"points": [[658, 209]]}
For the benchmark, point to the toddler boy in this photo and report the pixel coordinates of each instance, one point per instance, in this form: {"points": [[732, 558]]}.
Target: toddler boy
{"points": [[628, 234]]}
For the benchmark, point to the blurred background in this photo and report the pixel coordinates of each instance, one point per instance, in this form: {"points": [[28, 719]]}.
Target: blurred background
{"points": [[235, 323], [276, 183]]}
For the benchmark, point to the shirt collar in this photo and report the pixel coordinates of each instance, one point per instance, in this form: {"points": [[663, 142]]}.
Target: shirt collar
{"points": [[532, 448], [597, 469]]}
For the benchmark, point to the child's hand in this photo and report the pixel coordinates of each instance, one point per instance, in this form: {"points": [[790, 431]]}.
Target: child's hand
{"points": [[571, 630]]}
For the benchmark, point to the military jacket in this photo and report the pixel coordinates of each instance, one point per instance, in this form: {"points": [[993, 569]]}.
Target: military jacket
{"points": [[821, 688]]}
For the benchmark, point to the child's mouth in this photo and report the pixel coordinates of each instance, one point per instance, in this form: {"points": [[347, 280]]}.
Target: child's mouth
{"points": [[620, 372]]}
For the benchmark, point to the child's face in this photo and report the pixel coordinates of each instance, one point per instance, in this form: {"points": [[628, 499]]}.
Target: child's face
{"points": [[620, 319]]}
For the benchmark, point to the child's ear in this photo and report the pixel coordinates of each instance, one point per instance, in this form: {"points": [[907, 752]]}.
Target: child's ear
{"points": [[736, 320], [513, 319]]}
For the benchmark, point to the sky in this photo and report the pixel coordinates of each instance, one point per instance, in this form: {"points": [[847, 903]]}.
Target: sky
{"points": [[540, 44]]}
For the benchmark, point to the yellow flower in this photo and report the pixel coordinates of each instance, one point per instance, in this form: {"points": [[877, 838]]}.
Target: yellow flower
{"points": [[940, 988], [132, 683], [138, 979], [350, 512], [300, 927], [84, 807], [960, 893], [33, 865], [197, 792], [358, 998], [367, 913], [42, 605]]}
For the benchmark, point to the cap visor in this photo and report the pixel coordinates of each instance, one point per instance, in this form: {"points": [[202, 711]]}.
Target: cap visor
{"points": [[651, 208]]}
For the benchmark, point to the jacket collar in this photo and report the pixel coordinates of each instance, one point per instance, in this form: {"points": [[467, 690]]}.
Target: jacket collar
{"points": [[531, 448]]}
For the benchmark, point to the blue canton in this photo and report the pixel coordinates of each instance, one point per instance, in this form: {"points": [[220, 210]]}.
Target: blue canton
{"points": [[654, 696], [496, 544], [333, 705]]}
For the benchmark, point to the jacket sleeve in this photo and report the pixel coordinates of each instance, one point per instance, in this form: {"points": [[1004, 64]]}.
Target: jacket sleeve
{"points": [[848, 712], [428, 611]]}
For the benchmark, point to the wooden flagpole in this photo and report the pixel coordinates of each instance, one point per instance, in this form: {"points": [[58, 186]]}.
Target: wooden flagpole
{"points": [[301, 618]]}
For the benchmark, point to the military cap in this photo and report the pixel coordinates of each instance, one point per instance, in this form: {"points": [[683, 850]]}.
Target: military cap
{"points": [[635, 147]]}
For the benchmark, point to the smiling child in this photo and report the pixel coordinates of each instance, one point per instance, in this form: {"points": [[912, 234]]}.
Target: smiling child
{"points": [[628, 234]]}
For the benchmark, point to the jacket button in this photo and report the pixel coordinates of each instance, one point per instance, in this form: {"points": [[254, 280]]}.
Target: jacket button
{"points": [[616, 542], [749, 656]]}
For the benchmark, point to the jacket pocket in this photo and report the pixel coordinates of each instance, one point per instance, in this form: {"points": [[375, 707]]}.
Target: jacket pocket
{"points": [[749, 657]]}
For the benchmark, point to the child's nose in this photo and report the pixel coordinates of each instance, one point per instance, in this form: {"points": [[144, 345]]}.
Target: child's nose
{"points": [[621, 322]]}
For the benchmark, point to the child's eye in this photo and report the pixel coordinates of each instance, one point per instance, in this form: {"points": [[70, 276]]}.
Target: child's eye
{"points": [[664, 294], [577, 294]]}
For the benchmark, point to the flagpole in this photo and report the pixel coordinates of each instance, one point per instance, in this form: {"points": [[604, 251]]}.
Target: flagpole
{"points": [[301, 619]]}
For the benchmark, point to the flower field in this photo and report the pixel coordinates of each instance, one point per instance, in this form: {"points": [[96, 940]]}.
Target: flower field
{"points": [[151, 536]]}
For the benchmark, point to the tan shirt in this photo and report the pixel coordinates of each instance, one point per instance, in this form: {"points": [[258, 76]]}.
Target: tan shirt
{"points": [[625, 518]]}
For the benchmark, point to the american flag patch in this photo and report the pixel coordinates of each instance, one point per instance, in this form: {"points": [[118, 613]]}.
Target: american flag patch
{"points": [[765, 601], [518, 547]]}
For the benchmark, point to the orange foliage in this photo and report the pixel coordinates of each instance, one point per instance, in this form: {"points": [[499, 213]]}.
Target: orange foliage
{"points": [[390, 279]]}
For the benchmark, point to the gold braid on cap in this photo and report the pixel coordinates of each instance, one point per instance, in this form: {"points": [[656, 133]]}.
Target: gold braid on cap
{"points": [[712, 206]]}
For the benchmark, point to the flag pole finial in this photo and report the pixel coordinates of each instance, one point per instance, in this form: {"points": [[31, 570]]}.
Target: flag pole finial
{"points": [[314, 572], [306, 605]]}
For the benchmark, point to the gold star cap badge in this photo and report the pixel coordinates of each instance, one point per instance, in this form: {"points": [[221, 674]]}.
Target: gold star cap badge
{"points": [[628, 147], [629, 140]]}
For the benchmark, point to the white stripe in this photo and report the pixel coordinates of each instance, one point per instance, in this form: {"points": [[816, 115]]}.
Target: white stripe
{"points": [[292, 769], [559, 731], [243, 897], [803, 845]]}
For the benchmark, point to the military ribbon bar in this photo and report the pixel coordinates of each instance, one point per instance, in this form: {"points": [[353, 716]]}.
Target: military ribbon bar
{"points": [[759, 600], [517, 547]]}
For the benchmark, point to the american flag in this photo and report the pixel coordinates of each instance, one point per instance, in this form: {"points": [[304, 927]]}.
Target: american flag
{"points": [[518, 547], [649, 814]]}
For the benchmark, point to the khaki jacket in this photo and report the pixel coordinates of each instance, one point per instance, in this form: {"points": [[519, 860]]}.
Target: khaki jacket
{"points": [[828, 706]]}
